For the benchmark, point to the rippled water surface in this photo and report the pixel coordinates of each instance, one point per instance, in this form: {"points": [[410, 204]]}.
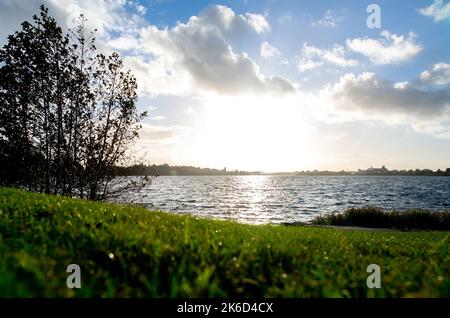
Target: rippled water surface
{"points": [[279, 199]]}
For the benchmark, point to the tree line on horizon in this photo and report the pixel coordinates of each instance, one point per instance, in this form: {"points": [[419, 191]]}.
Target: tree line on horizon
{"points": [[168, 170], [381, 172], [67, 112]]}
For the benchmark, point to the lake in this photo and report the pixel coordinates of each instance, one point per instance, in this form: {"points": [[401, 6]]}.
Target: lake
{"points": [[280, 199]]}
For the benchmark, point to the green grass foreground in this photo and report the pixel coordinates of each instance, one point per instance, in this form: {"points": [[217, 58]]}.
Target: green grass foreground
{"points": [[127, 251]]}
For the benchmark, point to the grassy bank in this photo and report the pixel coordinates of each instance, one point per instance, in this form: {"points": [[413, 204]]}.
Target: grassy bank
{"points": [[372, 217], [128, 251]]}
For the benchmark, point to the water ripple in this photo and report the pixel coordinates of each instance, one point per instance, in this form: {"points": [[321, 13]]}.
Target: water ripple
{"points": [[279, 199]]}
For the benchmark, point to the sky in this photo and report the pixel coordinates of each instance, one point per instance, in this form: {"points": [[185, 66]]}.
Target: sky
{"points": [[278, 85]]}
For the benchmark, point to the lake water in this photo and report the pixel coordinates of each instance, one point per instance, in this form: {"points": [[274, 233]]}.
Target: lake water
{"points": [[280, 199]]}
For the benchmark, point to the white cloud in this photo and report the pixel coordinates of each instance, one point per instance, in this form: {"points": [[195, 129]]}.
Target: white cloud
{"points": [[227, 22], [367, 95], [330, 19], [304, 65], [142, 10], [159, 76], [401, 85], [112, 16], [438, 10], [425, 108], [438, 75], [258, 22], [105, 16], [190, 57], [392, 49], [268, 51], [199, 48], [313, 57], [124, 43]]}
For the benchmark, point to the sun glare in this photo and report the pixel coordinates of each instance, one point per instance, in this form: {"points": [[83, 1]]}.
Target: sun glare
{"points": [[254, 133]]}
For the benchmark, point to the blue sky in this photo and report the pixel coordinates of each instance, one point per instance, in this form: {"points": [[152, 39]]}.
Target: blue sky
{"points": [[278, 84]]}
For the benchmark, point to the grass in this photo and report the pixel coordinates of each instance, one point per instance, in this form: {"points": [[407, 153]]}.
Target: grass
{"points": [[127, 251], [372, 217]]}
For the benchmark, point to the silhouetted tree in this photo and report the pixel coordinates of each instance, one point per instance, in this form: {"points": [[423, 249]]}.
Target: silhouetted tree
{"points": [[33, 88], [67, 113]]}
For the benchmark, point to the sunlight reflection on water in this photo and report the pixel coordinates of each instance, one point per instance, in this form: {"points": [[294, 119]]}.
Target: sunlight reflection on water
{"points": [[279, 199]]}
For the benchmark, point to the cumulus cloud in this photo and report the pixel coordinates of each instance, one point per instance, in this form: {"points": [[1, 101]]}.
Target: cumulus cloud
{"points": [[425, 108], [401, 85], [105, 16], [438, 75], [199, 46], [229, 23], [124, 43], [258, 22], [377, 98], [108, 17], [192, 57], [330, 19], [158, 77], [268, 51], [391, 49], [313, 57], [438, 10]]}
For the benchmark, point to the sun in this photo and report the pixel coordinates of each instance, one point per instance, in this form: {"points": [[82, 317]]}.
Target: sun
{"points": [[254, 133]]}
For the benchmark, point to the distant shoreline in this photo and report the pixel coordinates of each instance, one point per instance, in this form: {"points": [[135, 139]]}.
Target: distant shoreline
{"points": [[167, 170], [277, 174]]}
